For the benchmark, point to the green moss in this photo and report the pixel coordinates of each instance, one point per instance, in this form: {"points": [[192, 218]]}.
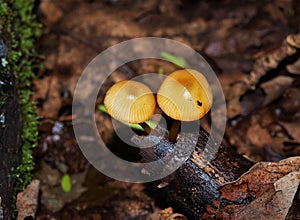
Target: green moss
{"points": [[19, 29]]}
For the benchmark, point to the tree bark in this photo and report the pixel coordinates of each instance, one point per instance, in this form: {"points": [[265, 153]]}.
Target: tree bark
{"points": [[195, 185], [10, 141]]}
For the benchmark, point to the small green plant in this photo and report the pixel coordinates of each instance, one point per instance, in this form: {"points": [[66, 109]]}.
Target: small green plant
{"points": [[161, 71], [66, 183], [178, 61]]}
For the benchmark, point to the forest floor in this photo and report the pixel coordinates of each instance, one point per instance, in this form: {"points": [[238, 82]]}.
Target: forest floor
{"points": [[230, 36]]}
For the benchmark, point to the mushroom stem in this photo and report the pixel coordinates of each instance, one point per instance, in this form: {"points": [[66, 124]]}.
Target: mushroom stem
{"points": [[146, 128], [174, 131]]}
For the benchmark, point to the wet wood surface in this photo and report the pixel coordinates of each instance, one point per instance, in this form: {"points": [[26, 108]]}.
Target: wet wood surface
{"points": [[10, 141], [195, 185]]}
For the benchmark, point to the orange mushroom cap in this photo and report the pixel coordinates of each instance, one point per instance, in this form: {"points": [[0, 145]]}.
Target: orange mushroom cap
{"points": [[130, 101], [185, 95]]}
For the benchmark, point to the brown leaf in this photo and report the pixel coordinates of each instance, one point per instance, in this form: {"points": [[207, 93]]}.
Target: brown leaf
{"points": [[275, 87], [259, 136], [52, 13], [293, 129], [294, 68], [274, 203], [266, 190], [233, 96], [47, 90], [276, 13], [27, 201]]}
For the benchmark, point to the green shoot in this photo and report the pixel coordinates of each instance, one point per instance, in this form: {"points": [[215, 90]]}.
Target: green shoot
{"points": [[66, 183], [161, 71], [178, 61]]}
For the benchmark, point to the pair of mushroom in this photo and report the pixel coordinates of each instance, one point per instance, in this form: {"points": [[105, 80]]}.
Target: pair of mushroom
{"points": [[184, 95]]}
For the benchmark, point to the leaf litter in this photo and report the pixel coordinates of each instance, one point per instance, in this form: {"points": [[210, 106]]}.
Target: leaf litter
{"points": [[255, 51]]}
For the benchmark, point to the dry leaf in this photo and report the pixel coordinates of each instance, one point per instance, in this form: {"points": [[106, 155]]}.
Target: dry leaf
{"points": [[275, 202], [293, 129], [27, 201], [294, 68], [266, 191], [275, 88]]}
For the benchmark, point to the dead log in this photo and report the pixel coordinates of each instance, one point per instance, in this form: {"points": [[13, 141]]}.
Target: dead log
{"points": [[10, 141], [195, 185]]}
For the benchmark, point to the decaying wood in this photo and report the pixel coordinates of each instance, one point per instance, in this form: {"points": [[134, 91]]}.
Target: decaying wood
{"points": [[227, 187], [195, 185], [10, 141]]}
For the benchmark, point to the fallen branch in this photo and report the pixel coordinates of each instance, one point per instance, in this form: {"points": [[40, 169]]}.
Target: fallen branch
{"points": [[229, 186], [195, 185], [10, 141]]}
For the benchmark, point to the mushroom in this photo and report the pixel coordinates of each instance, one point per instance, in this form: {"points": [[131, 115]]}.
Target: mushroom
{"points": [[184, 95], [130, 102]]}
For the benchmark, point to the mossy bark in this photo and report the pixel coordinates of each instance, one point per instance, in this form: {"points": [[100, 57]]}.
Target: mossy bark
{"points": [[10, 142], [18, 30]]}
